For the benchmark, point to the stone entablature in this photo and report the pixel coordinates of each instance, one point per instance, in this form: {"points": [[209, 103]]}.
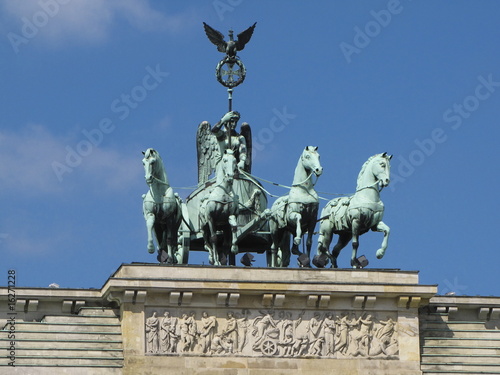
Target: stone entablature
{"points": [[350, 317], [252, 321]]}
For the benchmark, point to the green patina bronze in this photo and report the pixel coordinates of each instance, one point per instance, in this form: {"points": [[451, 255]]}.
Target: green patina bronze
{"points": [[227, 212]]}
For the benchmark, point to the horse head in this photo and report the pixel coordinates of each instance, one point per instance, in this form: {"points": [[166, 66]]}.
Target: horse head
{"points": [[381, 169], [310, 161], [375, 171], [153, 166], [229, 166], [148, 162]]}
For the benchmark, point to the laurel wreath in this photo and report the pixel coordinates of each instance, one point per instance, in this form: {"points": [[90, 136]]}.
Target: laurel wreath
{"points": [[242, 72]]}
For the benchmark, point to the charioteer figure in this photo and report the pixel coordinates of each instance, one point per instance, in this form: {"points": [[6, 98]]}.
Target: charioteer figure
{"points": [[212, 142]]}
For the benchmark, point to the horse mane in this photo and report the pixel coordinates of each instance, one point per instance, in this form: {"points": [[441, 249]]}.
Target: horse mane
{"points": [[363, 169]]}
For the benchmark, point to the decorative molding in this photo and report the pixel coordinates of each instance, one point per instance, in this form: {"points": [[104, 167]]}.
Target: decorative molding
{"points": [[279, 300], [370, 302], [32, 305], [358, 301], [452, 311], [495, 313], [67, 306]]}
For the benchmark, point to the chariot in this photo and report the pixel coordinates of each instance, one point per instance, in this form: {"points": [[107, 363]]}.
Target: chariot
{"points": [[252, 234]]}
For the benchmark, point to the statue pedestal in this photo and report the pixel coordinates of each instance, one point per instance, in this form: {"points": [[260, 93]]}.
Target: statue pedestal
{"points": [[197, 319]]}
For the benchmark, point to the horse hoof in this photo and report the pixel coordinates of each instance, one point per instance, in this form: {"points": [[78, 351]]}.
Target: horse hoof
{"points": [[318, 261], [296, 241], [234, 249], [380, 253], [151, 250]]}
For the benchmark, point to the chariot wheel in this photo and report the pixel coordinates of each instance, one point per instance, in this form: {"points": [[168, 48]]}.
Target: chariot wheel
{"points": [[269, 347]]}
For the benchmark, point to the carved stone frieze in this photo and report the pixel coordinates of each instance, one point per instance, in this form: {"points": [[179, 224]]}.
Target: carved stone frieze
{"points": [[272, 333]]}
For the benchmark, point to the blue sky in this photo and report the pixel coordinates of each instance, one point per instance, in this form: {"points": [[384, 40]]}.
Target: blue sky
{"points": [[417, 79]]}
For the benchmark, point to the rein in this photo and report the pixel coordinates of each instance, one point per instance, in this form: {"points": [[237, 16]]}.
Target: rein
{"points": [[303, 182], [370, 186], [160, 181], [275, 183], [219, 185], [252, 177]]}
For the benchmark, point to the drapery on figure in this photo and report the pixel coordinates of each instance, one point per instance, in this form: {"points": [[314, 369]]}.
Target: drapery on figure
{"points": [[230, 332], [208, 325], [152, 328], [165, 326], [211, 143]]}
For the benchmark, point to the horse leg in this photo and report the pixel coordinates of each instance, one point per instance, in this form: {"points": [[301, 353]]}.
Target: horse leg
{"points": [[309, 244], [355, 242], [205, 232], [325, 238], [161, 236], [150, 221], [234, 229], [343, 240], [271, 254], [208, 231], [213, 243], [296, 218], [171, 211], [382, 227], [284, 250], [225, 255], [169, 234]]}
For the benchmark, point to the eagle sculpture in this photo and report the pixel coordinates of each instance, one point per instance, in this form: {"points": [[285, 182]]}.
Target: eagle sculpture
{"points": [[230, 47]]}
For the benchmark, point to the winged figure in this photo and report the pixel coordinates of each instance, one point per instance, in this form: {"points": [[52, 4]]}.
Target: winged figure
{"points": [[211, 143], [230, 47], [208, 152]]}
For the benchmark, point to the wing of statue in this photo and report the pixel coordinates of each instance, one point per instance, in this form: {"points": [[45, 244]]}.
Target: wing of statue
{"points": [[246, 132], [244, 37], [217, 38], [208, 152]]}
